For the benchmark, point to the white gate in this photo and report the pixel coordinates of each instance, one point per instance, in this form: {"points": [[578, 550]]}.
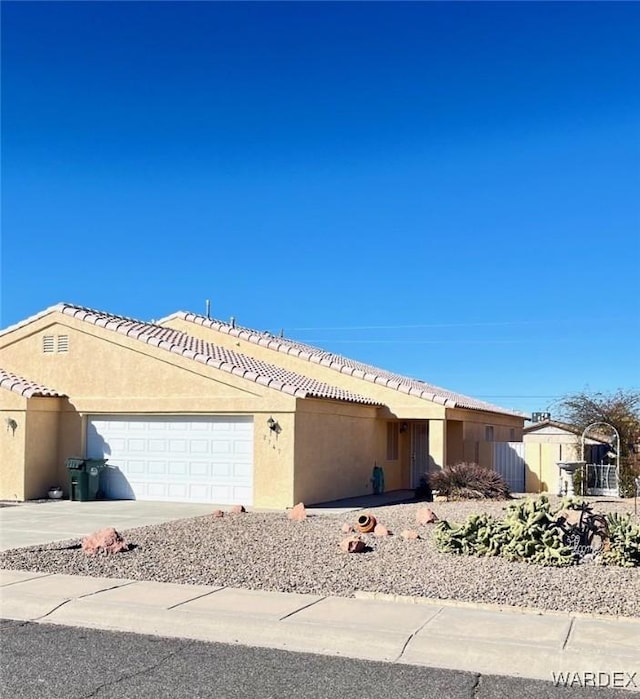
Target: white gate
{"points": [[601, 479], [508, 461]]}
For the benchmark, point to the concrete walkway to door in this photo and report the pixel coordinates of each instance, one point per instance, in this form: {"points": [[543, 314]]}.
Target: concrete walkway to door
{"points": [[32, 523]]}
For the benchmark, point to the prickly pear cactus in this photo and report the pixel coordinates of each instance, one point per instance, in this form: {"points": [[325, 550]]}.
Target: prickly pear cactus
{"points": [[480, 535], [530, 531], [623, 547]]}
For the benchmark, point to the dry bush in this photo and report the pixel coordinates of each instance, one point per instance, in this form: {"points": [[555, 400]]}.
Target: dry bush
{"points": [[469, 481]]}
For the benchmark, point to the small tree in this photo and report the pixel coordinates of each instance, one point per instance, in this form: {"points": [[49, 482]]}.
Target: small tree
{"points": [[621, 410]]}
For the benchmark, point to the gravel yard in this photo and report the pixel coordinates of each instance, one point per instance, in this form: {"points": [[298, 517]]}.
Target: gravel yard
{"points": [[267, 551]]}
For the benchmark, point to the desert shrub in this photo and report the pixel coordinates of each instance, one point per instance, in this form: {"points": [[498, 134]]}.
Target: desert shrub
{"points": [[623, 548], [531, 531], [527, 532], [629, 471], [469, 481]]}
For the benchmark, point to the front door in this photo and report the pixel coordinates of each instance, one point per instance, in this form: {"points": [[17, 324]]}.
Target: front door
{"points": [[419, 452]]}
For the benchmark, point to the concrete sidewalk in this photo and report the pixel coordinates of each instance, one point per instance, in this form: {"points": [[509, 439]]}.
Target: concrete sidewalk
{"points": [[491, 641]]}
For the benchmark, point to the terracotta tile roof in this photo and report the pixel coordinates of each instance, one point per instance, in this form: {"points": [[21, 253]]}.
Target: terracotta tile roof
{"points": [[208, 353], [26, 388], [344, 365]]}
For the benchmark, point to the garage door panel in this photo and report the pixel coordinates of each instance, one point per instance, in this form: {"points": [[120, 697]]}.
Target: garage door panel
{"points": [[197, 470], [147, 458], [136, 445], [241, 471], [243, 447], [199, 446], [157, 468], [136, 467], [178, 446], [221, 469], [178, 468]]}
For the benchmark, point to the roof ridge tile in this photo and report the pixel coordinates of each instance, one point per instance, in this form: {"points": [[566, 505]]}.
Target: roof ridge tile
{"points": [[358, 369]]}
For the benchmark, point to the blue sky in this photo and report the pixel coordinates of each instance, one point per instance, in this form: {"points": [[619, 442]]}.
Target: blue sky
{"points": [[447, 190]]}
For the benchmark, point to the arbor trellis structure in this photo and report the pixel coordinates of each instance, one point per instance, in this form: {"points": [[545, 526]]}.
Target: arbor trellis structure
{"points": [[602, 479]]}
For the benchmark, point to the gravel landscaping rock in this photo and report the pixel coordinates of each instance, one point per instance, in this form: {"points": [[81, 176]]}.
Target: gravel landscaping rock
{"points": [[268, 551]]}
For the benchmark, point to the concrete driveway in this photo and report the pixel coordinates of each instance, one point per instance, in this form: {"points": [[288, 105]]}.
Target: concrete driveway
{"points": [[31, 523]]}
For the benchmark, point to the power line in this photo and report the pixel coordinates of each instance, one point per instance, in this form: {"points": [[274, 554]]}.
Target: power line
{"points": [[451, 325], [436, 342]]}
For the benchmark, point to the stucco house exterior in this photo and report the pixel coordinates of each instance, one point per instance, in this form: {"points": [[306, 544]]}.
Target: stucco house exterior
{"points": [[191, 409]]}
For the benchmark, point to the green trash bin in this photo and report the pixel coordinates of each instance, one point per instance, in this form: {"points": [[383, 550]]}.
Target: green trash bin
{"points": [[93, 468], [78, 479]]}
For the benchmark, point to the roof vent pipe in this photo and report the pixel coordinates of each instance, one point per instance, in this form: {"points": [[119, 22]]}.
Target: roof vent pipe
{"points": [[232, 322], [208, 309]]}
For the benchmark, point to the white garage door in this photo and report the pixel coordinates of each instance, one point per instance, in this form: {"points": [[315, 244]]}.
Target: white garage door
{"points": [[207, 459]]}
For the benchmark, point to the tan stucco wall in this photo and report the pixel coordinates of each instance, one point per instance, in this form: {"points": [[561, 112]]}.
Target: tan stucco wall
{"points": [[455, 442], [273, 461], [475, 422], [12, 445], [108, 373], [336, 447], [41, 451], [105, 371], [543, 449], [542, 464]]}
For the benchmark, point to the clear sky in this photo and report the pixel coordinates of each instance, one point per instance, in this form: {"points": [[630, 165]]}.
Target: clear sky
{"points": [[447, 190]]}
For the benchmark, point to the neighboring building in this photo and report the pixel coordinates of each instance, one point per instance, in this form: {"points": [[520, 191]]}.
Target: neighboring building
{"points": [[197, 410], [547, 442]]}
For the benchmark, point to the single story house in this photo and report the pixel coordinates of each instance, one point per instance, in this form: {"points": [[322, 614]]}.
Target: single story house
{"points": [[191, 409]]}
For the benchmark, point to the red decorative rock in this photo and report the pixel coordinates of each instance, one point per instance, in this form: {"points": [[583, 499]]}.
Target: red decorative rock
{"points": [[217, 514], [298, 513], [426, 516], [237, 509], [104, 541], [346, 528], [410, 534], [381, 530], [352, 544]]}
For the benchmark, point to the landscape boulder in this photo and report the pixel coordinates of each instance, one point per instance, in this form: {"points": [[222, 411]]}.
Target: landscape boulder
{"points": [[426, 516], [298, 513], [352, 544], [104, 541], [217, 514], [380, 531], [346, 528], [237, 509], [410, 534]]}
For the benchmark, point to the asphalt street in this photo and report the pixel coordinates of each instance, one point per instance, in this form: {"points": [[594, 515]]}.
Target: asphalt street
{"points": [[46, 661]]}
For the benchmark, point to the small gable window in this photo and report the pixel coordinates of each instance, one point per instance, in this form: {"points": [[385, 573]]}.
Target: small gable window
{"points": [[392, 441], [47, 344]]}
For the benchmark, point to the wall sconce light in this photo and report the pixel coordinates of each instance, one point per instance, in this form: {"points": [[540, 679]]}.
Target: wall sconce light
{"points": [[11, 425], [273, 425], [403, 427]]}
